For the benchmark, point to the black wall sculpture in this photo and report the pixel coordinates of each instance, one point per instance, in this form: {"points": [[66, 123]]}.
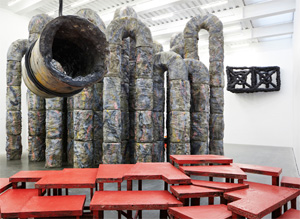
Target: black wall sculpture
{"points": [[253, 79]]}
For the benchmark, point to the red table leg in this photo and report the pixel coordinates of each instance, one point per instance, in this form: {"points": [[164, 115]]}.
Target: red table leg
{"points": [[101, 186], [129, 188], [92, 192], [275, 180], [195, 201], [119, 212]]}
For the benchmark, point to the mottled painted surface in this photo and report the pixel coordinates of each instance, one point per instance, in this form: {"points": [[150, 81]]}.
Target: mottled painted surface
{"points": [[112, 126], [180, 95], [36, 123], [143, 152], [158, 152], [13, 122], [143, 126], [83, 125], [83, 154], [98, 152], [13, 73], [111, 93], [179, 126], [54, 150], [92, 16], [199, 126], [53, 124], [84, 99], [35, 102], [13, 147], [179, 148], [143, 93], [36, 148], [112, 153], [13, 98], [98, 125]]}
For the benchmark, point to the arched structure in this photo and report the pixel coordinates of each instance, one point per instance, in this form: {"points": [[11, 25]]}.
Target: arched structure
{"points": [[13, 99], [114, 114], [178, 104], [216, 52]]}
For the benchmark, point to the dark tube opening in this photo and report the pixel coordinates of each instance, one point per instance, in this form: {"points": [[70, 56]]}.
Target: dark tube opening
{"points": [[74, 50]]}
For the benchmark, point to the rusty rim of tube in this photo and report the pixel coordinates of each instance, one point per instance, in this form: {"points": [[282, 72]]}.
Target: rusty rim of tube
{"points": [[80, 48], [37, 83]]}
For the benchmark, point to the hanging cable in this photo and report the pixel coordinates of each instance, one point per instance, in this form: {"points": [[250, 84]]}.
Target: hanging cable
{"points": [[60, 7]]}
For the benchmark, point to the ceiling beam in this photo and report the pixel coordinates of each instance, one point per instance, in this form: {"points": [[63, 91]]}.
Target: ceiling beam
{"points": [[241, 14], [25, 6], [255, 33]]}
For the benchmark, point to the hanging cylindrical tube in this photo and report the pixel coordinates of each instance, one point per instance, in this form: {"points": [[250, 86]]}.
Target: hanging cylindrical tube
{"points": [[68, 56]]}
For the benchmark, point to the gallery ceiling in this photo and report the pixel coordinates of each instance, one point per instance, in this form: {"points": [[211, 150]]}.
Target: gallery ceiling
{"points": [[245, 21]]}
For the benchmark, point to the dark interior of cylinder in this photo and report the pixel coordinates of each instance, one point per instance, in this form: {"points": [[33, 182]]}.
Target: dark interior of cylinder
{"points": [[74, 49]]}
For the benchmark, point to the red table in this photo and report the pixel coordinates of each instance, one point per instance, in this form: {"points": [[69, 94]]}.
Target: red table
{"points": [[53, 206], [264, 170], [199, 159], [224, 171], [259, 200], [4, 184], [131, 200], [140, 171], [30, 176], [184, 192], [291, 182], [205, 211], [13, 200], [69, 178]]}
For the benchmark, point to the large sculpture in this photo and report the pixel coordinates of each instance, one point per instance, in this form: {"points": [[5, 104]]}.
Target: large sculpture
{"points": [[119, 118]]}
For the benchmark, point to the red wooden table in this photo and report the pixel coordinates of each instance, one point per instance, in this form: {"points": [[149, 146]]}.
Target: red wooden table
{"points": [[291, 214], [53, 206], [164, 171], [30, 176], [140, 171], [198, 159], [4, 184], [224, 171], [259, 200], [290, 182], [13, 200], [224, 187], [205, 211], [184, 192], [264, 170], [69, 178], [132, 200]]}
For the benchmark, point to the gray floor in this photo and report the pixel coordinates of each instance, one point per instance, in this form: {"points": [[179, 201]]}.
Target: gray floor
{"points": [[269, 156]]}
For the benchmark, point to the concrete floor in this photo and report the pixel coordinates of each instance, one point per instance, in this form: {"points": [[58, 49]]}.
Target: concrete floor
{"points": [[260, 155]]}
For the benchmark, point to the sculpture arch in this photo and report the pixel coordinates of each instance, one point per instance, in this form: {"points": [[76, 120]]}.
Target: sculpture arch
{"points": [[115, 114], [178, 104], [214, 26]]}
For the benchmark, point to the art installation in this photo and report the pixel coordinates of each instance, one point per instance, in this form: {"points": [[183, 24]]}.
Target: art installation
{"points": [[98, 95], [253, 79]]}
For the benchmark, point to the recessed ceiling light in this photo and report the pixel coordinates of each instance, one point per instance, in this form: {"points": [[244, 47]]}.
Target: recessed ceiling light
{"points": [[11, 3], [78, 3], [214, 4]]}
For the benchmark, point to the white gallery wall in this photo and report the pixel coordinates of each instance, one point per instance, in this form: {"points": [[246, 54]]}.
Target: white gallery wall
{"points": [[13, 27], [263, 118], [296, 84]]}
